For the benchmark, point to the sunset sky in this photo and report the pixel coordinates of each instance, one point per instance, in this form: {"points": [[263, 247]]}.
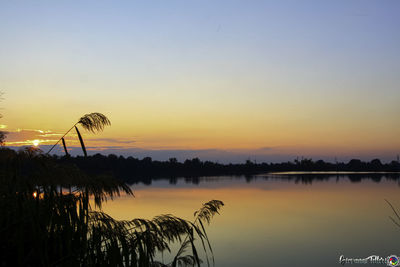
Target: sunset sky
{"points": [[219, 80]]}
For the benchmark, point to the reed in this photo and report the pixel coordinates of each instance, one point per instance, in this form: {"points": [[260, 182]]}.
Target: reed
{"points": [[81, 141], [65, 147], [396, 218], [47, 219], [93, 122]]}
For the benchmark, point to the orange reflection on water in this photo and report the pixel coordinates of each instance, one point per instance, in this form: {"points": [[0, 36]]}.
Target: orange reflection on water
{"points": [[268, 218]]}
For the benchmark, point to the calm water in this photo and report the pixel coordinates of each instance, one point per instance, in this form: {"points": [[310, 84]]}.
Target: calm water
{"points": [[273, 221]]}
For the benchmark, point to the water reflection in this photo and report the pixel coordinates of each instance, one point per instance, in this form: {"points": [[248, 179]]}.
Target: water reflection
{"points": [[296, 177], [280, 219]]}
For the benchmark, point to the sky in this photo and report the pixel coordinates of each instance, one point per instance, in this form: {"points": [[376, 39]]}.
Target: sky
{"points": [[219, 80]]}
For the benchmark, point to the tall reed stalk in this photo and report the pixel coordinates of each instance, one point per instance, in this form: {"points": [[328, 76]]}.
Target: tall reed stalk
{"points": [[46, 219], [93, 122]]}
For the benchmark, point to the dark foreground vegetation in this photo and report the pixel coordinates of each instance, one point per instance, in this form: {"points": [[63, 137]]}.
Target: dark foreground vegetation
{"points": [[133, 170], [50, 206], [50, 215]]}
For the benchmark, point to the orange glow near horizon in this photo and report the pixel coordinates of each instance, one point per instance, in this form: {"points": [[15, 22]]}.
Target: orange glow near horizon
{"points": [[237, 121], [299, 141], [254, 83], [234, 144]]}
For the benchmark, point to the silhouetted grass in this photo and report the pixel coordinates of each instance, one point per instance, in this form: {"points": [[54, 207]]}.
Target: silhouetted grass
{"points": [[93, 122], [396, 218], [46, 219]]}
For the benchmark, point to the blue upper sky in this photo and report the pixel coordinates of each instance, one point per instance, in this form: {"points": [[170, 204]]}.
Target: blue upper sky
{"points": [[298, 77]]}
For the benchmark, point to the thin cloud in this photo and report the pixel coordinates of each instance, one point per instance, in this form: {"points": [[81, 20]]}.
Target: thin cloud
{"points": [[266, 148], [112, 140], [26, 136]]}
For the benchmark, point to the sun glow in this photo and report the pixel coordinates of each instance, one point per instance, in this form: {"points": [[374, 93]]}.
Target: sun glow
{"points": [[36, 142]]}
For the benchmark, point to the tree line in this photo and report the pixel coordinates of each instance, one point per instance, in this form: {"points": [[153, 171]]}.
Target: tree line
{"points": [[132, 169]]}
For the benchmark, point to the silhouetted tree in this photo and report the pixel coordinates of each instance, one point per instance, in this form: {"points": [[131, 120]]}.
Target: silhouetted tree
{"points": [[2, 138], [376, 164], [134, 170], [2, 133]]}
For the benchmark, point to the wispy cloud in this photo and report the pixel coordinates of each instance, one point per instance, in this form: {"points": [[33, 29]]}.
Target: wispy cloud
{"points": [[26, 137], [112, 140]]}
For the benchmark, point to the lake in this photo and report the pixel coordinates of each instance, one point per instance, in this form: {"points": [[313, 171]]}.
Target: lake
{"points": [[282, 219]]}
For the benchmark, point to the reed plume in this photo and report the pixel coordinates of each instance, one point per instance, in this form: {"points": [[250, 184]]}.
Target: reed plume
{"points": [[92, 122], [41, 224]]}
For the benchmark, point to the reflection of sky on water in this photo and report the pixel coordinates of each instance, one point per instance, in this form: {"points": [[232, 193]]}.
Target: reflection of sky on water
{"points": [[259, 180], [267, 222]]}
